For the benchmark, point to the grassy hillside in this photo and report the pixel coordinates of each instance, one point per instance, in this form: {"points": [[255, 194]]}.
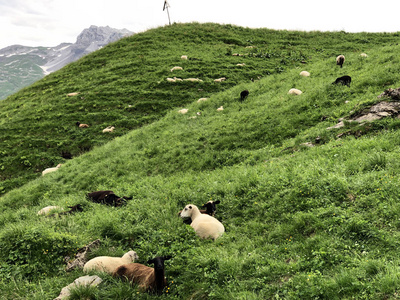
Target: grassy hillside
{"points": [[125, 85], [301, 222]]}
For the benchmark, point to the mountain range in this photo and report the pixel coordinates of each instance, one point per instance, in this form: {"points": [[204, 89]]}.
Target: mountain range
{"points": [[21, 66]]}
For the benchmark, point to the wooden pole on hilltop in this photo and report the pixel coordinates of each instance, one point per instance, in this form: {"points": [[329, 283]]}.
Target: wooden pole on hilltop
{"points": [[166, 6]]}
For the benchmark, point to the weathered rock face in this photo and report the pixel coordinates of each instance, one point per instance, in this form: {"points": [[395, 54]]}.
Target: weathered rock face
{"points": [[393, 94]]}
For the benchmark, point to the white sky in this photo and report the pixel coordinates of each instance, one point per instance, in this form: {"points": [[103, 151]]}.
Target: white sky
{"points": [[51, 22]]}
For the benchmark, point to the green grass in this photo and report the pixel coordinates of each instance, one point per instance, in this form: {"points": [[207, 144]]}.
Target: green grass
{"points": [[301, 222]]}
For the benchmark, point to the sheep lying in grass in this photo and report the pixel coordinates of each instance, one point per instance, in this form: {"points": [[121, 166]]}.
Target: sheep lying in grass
{"points": [[344, 80], [80, 125], [210, 209], [193, 80], [46, 210], [220, 79], [295, 92], [340, 60], [73, 94], [73, 209], [108, 263], [304, 73], [147, 278], [107, 197], [364, 55], [176, 68], [221, 108], [184, 57], [205, 226], [49, 170], [108, 129], [183, 111], [243, 95], [202, 100]]}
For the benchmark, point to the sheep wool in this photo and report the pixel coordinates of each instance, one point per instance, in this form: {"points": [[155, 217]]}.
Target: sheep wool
{"points": [[183, 111], [184, 57], [204, 225], [109, 129], [176, 68], [295, 92], [109, 264], [202, 100], [49, 170], [340, 60], [46, 210], [221, 108], [305, 73]]}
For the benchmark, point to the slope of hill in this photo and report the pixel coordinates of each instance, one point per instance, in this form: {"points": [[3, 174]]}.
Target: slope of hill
{"points": [[125, 85], [301, 222], [21, 66]]}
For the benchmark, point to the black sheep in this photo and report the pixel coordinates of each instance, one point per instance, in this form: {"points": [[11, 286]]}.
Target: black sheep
{"points": [[108, 198], [344, 80], [244, 94]]}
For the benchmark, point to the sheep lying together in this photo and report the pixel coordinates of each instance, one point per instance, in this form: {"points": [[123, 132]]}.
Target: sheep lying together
{"points": [[109, 264], [148, 279], [204, 225], [108, 198]]}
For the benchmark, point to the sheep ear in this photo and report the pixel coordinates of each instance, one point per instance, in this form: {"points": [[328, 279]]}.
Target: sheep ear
{"points": [[150, 261], [217, 202], [167, 257]]}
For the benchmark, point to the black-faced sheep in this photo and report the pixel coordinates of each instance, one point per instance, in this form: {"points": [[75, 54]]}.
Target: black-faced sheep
{"points": [[49, 170], [108, 198], [147, 278], [243, 95], [340, 60], [344, 80], [80, 125], [204, 225], [108, 263]]}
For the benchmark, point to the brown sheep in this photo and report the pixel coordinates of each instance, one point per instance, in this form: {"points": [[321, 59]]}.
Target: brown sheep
{"points": [[147, 278], [80, 125]]}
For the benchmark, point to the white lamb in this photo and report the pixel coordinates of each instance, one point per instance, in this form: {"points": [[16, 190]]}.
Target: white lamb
{"points": [[220, 79], [294, 92], [221, 108], [49, 170], [176, 68], [241, 65], [364, 55], [109, 129], [46, 210], [184, 57], [204, 225], [202, 100], [108, 263], [304, 73]]}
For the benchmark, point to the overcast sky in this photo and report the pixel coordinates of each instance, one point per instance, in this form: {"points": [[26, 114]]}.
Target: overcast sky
{"points": [[51, 22]]}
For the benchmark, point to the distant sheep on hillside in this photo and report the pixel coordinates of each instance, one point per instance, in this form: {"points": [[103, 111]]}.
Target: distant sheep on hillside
{"points": [[220, 79], [183, 111], [295, 92], [109, 129], [304, 73], [243, 95], [80, 125], [344, 80], [184, 57], [176, 68], [49, 170], [340, 60]]}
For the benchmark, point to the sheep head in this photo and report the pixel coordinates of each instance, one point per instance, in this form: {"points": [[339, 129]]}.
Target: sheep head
{"points": [[210, 207], [188, 211]]}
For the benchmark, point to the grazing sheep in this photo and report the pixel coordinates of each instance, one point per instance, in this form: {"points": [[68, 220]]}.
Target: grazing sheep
{"points": [[108, 263], [363, 55], [183, 111], [46, 210], [220, 79], [295, 92], [305, 73], [109, 129], [340, 60], [147, 278], [202, 100], [49, 170], [80, 125], [243, 95], [221, 108], [344, 80], [204, 225], [184, 57], [176, 68], [193, 79], [108, 198]]}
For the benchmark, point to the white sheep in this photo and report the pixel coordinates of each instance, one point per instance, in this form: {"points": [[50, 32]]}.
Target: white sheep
{"points": [[184, 57], [49, 170], [221, 108], [170, 79], [363, 55], [108, 263], [202, 100], [294, 92], [193, 79], [204, 225], [46, 210], [340, 60], [108, 129], [304, 73], [220, 79], [183, 111], [176, 68], [241, 65], [73, 94]]}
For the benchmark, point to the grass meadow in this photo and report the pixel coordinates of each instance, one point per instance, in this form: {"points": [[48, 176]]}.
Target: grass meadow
{"points": [[301, 222]]}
